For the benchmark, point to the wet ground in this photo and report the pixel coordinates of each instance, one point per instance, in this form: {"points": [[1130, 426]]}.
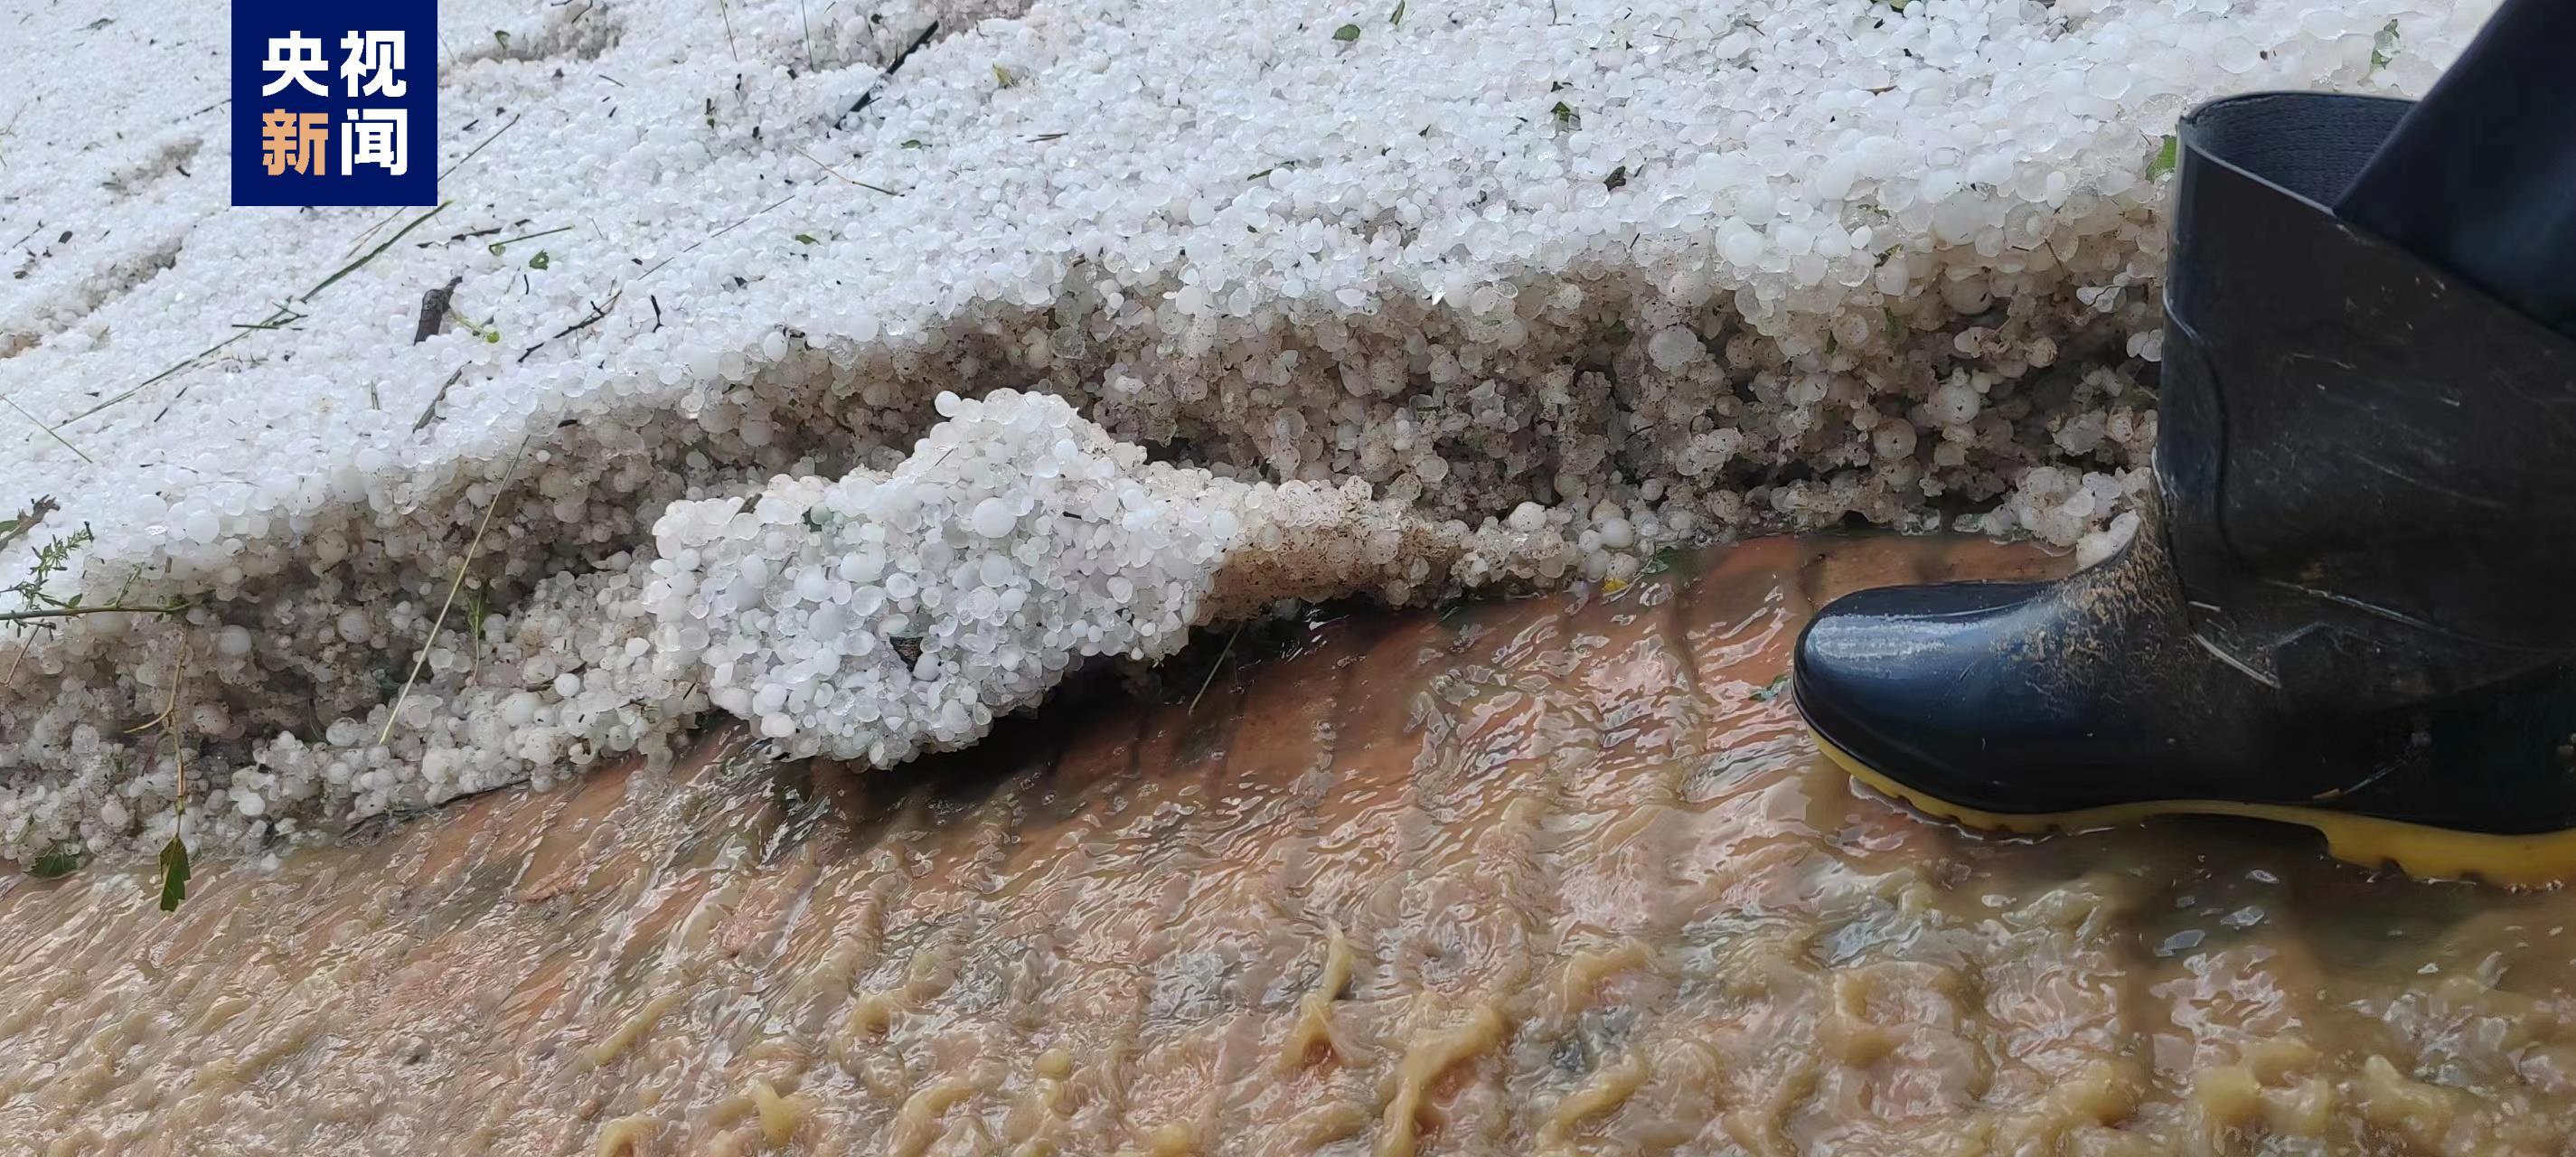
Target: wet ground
{"points": [[1543, 876]]}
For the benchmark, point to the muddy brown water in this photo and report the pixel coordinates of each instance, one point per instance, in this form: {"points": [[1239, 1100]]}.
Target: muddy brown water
{"points": [[1543, 876]]}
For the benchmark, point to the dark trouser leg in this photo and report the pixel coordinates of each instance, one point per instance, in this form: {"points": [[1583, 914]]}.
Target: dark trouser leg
{"points": [[2480, 177]]}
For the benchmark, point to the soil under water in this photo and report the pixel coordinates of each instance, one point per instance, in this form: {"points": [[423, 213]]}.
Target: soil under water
{"points": [[1551, 875]]}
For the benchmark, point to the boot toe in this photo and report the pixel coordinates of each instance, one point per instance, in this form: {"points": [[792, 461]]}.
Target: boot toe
{"points": [[1930, 687]]}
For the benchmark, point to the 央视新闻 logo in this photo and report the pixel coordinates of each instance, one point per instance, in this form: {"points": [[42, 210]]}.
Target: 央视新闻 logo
{"points": [[335, 103]]}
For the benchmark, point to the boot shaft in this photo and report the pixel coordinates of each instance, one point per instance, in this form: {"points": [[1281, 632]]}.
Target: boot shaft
{"points": [[2368, 466]]}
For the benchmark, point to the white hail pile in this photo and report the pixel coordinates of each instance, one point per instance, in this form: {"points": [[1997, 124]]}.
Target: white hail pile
{"points": [[869, 617], [1488, 291]]}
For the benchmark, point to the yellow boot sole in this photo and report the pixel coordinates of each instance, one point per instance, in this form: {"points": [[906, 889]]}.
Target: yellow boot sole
{"points": [[2519, 861]]}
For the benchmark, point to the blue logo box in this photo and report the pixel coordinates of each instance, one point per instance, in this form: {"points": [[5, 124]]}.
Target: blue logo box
{"points": [[335, 103]]}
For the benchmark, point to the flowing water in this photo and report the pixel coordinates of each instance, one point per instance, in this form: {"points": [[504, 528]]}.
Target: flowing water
{"points": [[1551, 875]]}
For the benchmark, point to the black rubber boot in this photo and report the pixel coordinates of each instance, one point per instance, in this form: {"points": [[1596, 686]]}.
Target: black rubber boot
{"points": [[2352, 609]]}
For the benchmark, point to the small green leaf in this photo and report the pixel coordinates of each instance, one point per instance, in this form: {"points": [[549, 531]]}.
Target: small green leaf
{"points": [[174, 874], [805, 239], [1895, 327], [1772, 690], [1397, 20], [497, 247], [541, 260], [1566, 117], [1003, 77], [1617, 178], [56, 864], [914, 144], [1347, 33], [1261, 174], [492, 337], [2166, 158], [502, 36]]}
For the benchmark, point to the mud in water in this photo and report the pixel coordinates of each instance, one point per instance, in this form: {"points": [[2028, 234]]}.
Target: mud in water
{"points": [[1546, 876]]}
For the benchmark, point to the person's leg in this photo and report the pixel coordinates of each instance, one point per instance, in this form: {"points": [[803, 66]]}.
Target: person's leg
{"points": [[2480, 177], [2348, 608]]}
